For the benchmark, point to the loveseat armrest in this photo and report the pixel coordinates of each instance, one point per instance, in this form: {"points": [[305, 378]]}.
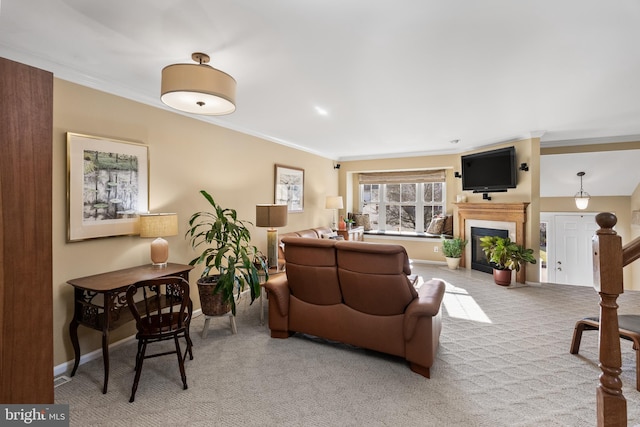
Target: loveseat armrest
{"points": [[427, 304], [277, 288]]}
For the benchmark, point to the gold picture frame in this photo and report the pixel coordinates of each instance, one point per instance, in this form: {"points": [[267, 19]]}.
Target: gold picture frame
{"points": [[107, 186], [289, 188]]}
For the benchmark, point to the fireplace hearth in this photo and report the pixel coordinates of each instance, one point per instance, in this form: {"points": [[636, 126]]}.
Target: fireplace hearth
{"points": [[478, 258]]}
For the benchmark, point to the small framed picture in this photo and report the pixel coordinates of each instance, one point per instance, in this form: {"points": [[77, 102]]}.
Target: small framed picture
{"points": [[289, 187], [107, 186]]}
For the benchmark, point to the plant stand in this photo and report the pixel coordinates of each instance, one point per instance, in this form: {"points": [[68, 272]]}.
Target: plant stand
{"points": [[207, 320]]}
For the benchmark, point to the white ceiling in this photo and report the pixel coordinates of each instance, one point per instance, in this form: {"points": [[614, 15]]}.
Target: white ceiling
{"points": [[402, 77]]}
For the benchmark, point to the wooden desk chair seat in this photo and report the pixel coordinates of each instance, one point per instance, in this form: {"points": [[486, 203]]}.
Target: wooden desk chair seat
{"points": [[629, 329], [163, 313]]}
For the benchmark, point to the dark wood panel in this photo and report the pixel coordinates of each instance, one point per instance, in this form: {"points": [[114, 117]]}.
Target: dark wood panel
{"points": [[26, 306]]}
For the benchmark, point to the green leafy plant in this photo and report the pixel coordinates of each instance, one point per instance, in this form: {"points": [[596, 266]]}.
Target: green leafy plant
{"points": [[503, 254], [228, 255], [452, 248]]}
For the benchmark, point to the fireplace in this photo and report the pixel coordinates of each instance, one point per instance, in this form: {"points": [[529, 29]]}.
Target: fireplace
{"points": [[502, 216], [478, 258]]}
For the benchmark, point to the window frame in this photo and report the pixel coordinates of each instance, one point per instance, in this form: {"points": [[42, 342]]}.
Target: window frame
{"points": [[420, 205]]}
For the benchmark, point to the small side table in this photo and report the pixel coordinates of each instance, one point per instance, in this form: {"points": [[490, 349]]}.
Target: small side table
{"points": [[100, 304], [355, 233]]}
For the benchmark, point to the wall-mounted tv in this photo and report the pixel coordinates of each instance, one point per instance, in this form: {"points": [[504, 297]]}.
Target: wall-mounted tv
{"points": [[489, 171]]}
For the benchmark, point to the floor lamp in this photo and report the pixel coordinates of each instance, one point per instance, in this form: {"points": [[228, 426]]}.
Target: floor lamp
{"points": [[271, 216], [334, 202]]}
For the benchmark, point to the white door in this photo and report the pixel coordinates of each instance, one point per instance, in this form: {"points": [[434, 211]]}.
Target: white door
{"points": [[573, 260]]}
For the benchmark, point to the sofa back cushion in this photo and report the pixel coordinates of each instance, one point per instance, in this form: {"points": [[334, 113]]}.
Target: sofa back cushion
{"points": [[311, 270], [373, 277], [312, 233]]}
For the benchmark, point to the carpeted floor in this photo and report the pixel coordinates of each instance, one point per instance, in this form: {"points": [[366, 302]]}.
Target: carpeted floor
{"points": [[503, 361]]}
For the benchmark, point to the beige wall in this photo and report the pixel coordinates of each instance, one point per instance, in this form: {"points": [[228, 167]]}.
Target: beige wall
{"points": [[186, 155], [423, 249]]}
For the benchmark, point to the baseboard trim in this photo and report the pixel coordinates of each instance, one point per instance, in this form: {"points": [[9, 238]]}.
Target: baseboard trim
{"points": [[426, 261], [66, 367]]}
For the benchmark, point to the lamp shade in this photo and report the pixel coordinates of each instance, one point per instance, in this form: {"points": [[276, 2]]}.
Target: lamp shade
{"points": [[271, 215], [582, 197], [582, 201], [158, 225], [334, 202], [198, 88]]}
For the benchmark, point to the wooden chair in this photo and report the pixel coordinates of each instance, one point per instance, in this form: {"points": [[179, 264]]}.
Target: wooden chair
{"points": [[163, 313], [628, 328]]}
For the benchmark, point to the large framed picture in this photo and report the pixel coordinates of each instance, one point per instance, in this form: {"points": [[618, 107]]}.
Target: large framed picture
{"points": [[107, 186], [289, 187]]}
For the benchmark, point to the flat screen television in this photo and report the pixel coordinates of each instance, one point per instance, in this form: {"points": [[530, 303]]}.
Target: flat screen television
{"points": [[489, 171]]}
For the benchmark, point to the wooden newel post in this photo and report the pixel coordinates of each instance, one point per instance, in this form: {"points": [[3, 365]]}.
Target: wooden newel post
{"points": [[608, 282]]}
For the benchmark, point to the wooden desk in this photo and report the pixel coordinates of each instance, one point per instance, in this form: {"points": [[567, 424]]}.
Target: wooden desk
{"points": [[105, 293], [355, 233]]}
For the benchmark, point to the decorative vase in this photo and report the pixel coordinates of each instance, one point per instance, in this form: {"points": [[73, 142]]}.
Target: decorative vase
{"points": [[341, 224], [453, 263], [211, 304], [502, 277]]}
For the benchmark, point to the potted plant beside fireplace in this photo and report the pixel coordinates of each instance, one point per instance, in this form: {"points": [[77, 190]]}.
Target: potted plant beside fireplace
{"points": [[452, 251], [505, 256]]}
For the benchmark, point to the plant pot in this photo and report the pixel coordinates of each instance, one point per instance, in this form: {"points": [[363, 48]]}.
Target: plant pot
{"points": [[211, 304], [502, 277], [453, 263]]}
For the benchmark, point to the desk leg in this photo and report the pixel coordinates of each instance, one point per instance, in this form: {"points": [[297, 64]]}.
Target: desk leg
{"points": [[73, 333], [105, 357]]}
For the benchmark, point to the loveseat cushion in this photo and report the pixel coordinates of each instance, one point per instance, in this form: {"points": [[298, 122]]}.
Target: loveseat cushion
{"points": [[373, 277], [311, 270]]}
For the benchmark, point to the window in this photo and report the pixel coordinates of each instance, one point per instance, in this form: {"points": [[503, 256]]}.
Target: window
{"points": [[404, 207]]}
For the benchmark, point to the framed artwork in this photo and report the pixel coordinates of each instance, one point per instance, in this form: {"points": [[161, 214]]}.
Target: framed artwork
{"points": [[107, 186], [289, 187]]}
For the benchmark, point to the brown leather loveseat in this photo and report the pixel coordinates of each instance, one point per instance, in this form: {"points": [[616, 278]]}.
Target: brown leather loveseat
{"points": [[356, 293]]}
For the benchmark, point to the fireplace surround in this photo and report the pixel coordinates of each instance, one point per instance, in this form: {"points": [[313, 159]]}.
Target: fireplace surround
{"points": [[512, 214]]}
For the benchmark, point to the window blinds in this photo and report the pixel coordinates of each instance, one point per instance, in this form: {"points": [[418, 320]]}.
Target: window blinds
{"points": [[435, 175]]}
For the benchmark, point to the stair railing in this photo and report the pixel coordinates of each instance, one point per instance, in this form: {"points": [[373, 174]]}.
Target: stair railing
{"points": [[609, 257]]}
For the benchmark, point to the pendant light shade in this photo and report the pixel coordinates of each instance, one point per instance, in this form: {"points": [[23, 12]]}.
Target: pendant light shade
{"points": [[582, 197], [198, 88]]}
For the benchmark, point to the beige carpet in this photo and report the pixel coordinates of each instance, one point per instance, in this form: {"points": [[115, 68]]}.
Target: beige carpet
{"points": [[503, 361]]}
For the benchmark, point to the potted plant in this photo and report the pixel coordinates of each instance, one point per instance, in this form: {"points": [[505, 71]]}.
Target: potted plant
{"points": [[348, 222], [452, 250], [505, 256], [230, 261]]}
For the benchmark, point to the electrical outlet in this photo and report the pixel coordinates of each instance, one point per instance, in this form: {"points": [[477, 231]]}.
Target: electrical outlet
{"points": [[436, 249]]}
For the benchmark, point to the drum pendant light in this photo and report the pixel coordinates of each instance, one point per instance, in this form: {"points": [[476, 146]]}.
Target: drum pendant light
{"points": [[198, 88]]}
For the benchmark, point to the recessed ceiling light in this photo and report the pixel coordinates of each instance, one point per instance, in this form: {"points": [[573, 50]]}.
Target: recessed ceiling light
{"points": [[321, 111]]}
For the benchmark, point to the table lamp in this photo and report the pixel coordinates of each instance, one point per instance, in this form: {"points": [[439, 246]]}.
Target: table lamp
{"points": [[334, 202], [271, 216], [159, 225]]}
